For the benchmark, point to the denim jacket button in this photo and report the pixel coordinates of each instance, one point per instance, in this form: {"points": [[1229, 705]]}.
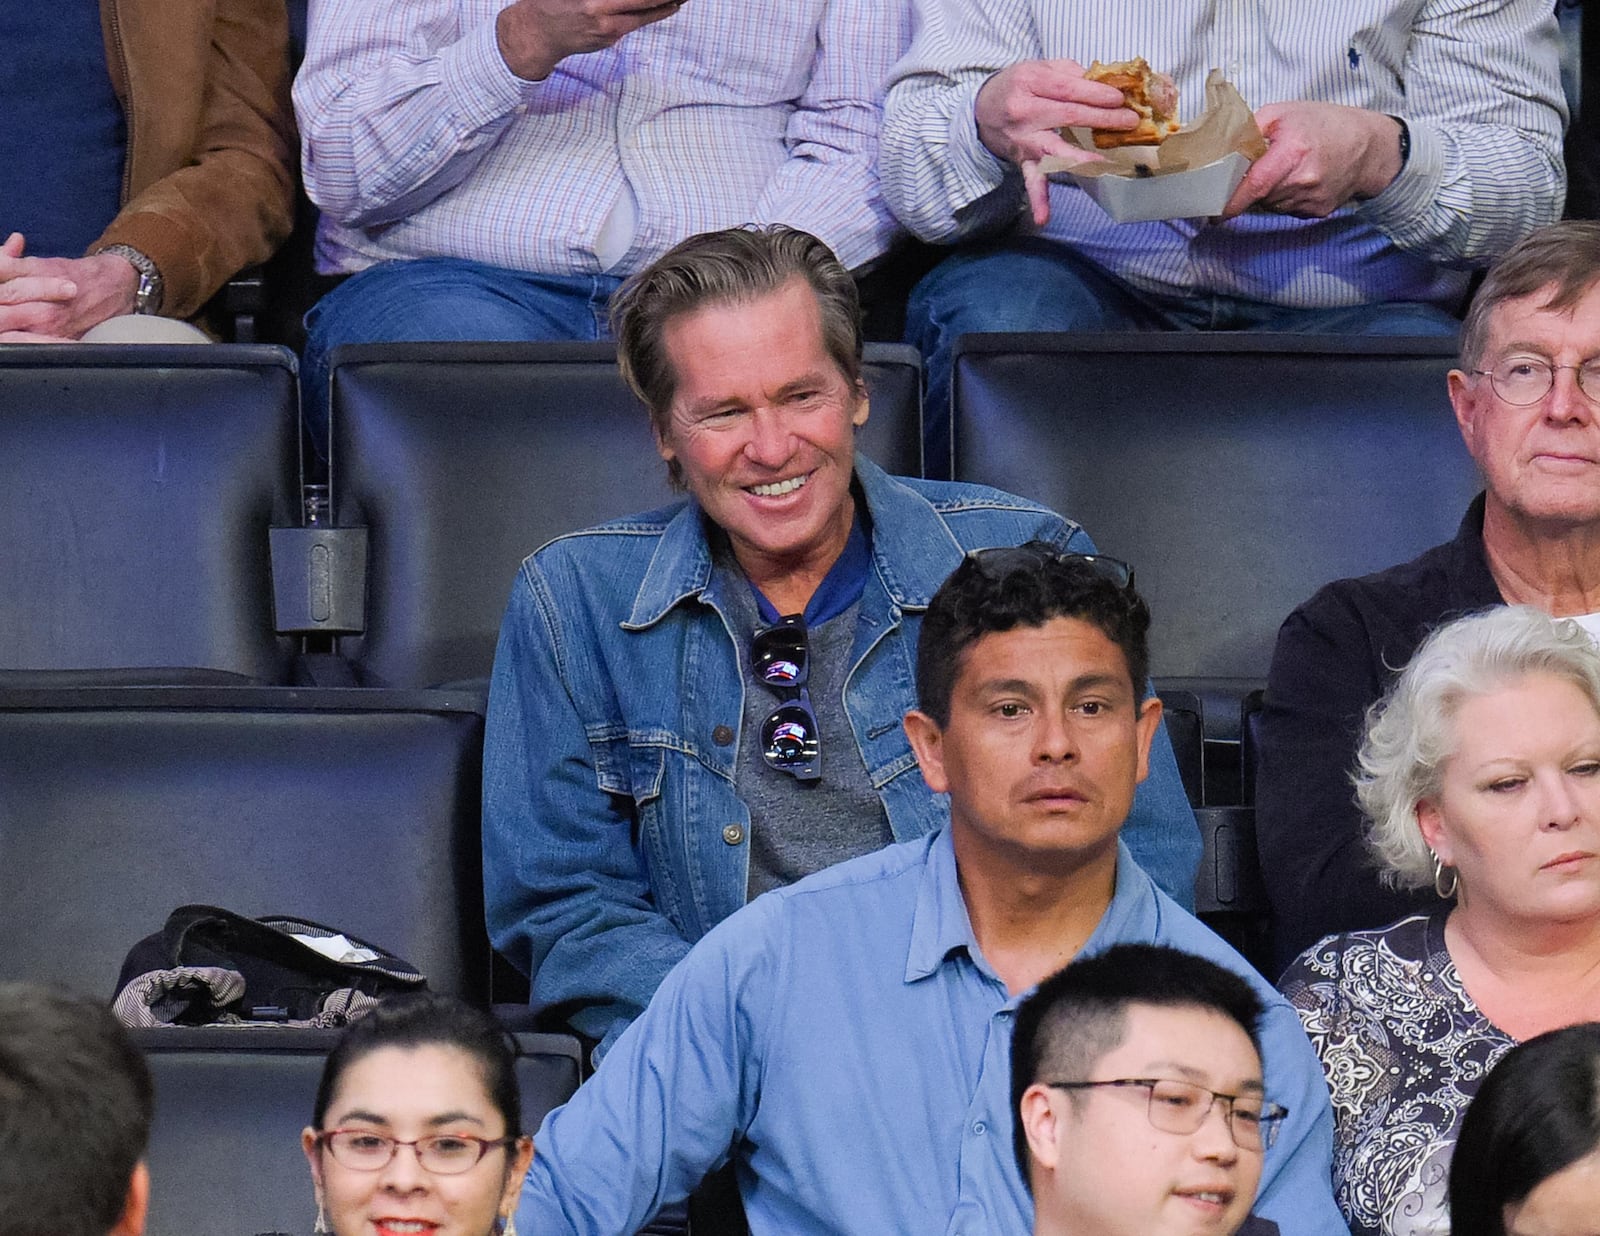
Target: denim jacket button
{"points": [[722, 735], [733, 834]]}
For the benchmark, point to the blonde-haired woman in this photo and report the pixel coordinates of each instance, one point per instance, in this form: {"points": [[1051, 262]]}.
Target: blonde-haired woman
{"points": [[1480, 776]]}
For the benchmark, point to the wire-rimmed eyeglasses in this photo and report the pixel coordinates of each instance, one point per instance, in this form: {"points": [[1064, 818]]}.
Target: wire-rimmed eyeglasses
{"points": [[1525, 380], [443, 1154], [1182, 1107]]}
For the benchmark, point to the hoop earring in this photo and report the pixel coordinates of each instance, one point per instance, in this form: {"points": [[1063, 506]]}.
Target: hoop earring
{"points": [[320, 1227], [1445, 891]]}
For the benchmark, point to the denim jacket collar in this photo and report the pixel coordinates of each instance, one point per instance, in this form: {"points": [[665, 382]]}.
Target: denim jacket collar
{"points": [[912, 551]]}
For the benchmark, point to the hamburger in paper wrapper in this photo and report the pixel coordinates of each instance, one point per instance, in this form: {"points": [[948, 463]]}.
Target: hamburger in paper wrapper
{"points": [[1190, 175]]}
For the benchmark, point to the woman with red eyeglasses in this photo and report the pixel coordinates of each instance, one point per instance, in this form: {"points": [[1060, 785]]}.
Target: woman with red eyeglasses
{"points": [[417, 1125]]}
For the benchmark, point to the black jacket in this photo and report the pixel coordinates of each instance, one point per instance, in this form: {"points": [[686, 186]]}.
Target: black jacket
{"points": [[1335, 656]]}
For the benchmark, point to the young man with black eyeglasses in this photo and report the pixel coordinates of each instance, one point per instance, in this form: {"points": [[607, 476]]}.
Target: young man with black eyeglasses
{"points": [[846, 1040], [1140, 1103]]}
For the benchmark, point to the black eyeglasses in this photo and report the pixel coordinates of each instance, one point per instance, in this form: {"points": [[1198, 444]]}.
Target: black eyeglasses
{"points": [[781, 660], [1003, 560], [443, 1154], [1524, 380], [1182, 1107]]}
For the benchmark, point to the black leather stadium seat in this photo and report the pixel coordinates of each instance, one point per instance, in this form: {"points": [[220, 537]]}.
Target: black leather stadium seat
{"points": [[139, 485], [1183, 713], [461, 459], [1237, 473], [351, 808], [225, 1156]]}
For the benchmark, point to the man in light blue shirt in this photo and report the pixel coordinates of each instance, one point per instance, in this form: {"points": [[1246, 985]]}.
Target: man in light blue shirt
{"points": [[846, 1040]]}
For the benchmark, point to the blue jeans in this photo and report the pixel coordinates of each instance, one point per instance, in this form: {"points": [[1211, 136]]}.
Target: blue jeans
{"points": [[443, 300], [1033, 284]]}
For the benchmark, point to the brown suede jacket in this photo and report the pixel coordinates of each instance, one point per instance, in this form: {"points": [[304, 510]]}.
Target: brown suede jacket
{"points": [[208, 183]]}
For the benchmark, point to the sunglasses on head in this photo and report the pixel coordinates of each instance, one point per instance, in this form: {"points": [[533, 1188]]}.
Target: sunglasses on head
{"points": [[780, 658], [1003, 560]]}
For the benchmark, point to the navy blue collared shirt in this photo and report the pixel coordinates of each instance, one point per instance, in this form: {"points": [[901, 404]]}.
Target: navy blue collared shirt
{"points": [[846, 1038]]}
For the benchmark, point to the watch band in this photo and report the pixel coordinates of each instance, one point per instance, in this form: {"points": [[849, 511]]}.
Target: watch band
{"points": [[1405, 141], [147, 296]]}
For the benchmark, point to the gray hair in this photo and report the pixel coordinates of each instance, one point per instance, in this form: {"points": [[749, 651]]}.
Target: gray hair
{"points": [[1410, 732], [1564, 257]]}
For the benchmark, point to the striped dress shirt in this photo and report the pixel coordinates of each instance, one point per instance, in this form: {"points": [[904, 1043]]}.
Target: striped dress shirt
{"points": [[1476, 82], [418, 141]]}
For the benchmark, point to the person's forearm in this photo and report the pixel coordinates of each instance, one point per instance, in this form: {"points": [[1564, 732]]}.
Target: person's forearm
{"points": [[1485, 114], [389, 126], [829, 185], [230, 204]]}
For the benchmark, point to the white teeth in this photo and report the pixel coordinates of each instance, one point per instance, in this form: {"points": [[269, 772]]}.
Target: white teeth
{"points": [[406, 1225], [778, 488]]}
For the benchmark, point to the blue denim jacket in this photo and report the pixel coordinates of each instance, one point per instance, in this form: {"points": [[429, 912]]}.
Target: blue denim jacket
{"points": [[613, 838]]}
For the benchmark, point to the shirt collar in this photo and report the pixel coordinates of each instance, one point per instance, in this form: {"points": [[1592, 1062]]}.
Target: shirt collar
{"points": [[941, 927], [840, 588], [913, 551]]}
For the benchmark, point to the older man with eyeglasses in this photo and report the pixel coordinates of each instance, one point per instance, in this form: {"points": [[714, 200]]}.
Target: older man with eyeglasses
{"points": [[1527, 399]]}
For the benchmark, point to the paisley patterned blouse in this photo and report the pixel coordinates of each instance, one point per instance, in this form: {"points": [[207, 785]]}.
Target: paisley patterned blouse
{"points": [[1404, 1049]]}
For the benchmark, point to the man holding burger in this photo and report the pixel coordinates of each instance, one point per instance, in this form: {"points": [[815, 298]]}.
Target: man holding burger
{"points": [[1408, 143]]}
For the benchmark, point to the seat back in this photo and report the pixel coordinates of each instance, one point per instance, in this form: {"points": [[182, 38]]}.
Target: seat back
{"points": [[461, 459], [225, 1157], [140, 482], [1183, 714], [354, 809], [1237, 473]]}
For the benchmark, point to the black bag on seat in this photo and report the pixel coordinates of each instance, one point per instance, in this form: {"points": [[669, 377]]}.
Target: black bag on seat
{"points": [[210, 965]]}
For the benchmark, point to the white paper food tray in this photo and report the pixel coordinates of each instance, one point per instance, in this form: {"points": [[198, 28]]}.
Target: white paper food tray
{"points": [[1198, 193]]}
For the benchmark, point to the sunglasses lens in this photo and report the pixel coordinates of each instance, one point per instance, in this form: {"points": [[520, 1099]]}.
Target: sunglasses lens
{"points": [[781, 672], [789, 740], [779, 655]]}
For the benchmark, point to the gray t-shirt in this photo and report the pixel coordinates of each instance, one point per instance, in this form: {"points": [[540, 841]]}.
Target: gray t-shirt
{"points": [[797, 827]]}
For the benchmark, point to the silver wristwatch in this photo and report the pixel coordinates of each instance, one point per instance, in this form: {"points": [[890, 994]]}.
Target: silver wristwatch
{"points": [[147, 297]]}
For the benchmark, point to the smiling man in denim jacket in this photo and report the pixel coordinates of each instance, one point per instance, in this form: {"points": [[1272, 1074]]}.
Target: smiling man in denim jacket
{"points": [[641, 782]]}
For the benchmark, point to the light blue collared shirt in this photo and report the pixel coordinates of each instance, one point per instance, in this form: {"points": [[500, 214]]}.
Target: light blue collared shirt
{"points": [[844, 1040]]}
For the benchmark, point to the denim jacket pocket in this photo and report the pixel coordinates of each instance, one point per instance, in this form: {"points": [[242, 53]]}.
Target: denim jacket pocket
{"points": [[633, 769]]}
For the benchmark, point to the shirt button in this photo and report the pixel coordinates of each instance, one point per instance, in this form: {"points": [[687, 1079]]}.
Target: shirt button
{"points": [[979, 1127], [722, 735], [733, 834]]}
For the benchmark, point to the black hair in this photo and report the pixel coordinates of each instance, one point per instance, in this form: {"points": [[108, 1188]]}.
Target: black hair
{"points": [[1079, 1013], [1537, 1113], [1000, 589], [428, 1019], [75, 1107]]}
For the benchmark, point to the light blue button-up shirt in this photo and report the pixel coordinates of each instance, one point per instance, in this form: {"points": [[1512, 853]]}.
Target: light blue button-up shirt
{"points": [[845, 1041]]}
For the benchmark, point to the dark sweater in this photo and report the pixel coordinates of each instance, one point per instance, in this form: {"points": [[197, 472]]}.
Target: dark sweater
{"points": [[63, 140], [1335, 656]]}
